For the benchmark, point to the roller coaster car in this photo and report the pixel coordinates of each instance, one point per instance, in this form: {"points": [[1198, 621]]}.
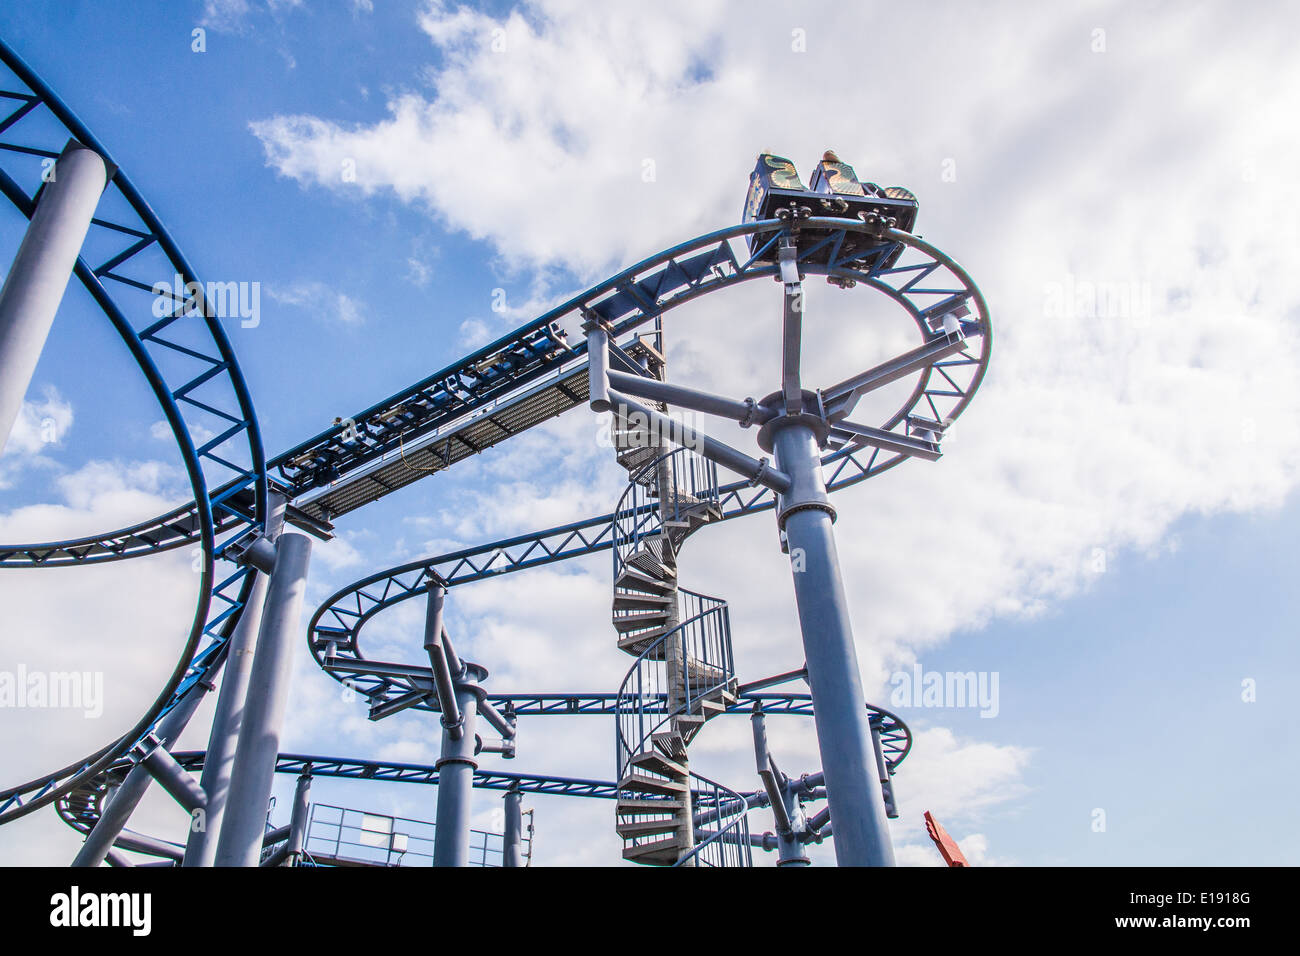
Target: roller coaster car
{"points": [[775, 191]]}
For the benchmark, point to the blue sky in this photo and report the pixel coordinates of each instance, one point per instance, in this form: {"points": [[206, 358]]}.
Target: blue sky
{"points": [[1153, 156]]}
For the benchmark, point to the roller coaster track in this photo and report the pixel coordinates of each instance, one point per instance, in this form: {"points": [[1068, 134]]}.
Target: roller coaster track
{"points": [[684, 672], [80, 808], [658, 711], [533, 374], [190, 366]]}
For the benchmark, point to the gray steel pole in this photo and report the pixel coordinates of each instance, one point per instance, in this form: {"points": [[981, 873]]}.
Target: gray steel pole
{"points": [[171, 776], [839, 706], [456, 776], [298, 819], [126, 795], [748, 412], [780, 795], [258, 746], [514, 829], [598, 368], [140, 843], [789, 848], [39, 275], [201, 848], [882, 770], [710, 448], [445, 673]]}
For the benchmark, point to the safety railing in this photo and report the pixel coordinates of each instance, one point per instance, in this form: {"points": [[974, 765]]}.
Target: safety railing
{"points": [[721, 826], [666, 489], [689, 664], [343, 836]]}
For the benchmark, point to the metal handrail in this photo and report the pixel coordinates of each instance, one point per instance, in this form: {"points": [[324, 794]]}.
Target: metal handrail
{"points": [[724, 815], [681, 481], [345, 839], [704, 656]]}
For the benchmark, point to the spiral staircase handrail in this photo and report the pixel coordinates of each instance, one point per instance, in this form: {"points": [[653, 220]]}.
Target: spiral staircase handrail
{"points": [[642, 516], [726, 815], [630, 707]]}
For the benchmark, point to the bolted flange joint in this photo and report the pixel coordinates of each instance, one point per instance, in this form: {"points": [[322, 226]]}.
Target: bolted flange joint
{"points": [[804, 506], [796, 440], [811, 400]]}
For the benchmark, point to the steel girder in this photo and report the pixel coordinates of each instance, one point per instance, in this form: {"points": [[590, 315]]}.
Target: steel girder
{"points": [[367, 448], [80, 807]]}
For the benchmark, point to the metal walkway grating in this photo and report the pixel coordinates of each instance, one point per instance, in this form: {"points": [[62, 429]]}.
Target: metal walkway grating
{"points": [[460, 440]]}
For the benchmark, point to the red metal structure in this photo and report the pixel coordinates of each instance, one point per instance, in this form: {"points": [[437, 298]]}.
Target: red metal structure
{"points": [[948, 848]]}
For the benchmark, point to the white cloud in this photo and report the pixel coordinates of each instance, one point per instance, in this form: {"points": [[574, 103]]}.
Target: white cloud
{"points": [[418, 271], [323, 300], [199, 434], [39, 428], [232, 16], [474, 334], [337, 554], [125, 622]]}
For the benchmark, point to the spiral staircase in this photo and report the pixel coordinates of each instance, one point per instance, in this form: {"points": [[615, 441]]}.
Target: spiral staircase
{"points": [[684, 671]]}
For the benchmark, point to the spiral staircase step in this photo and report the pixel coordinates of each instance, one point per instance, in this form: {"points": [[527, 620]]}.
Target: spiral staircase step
{"points": [[635, 622], [640, 828], [672, 743], [658, 763], [638, 644], [642, 601], [645, 783], [659, 853], [632, 806], [633, 579]]}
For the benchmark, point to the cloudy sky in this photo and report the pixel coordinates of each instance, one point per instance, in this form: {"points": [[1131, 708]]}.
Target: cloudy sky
{"points": [[1109, 532]]}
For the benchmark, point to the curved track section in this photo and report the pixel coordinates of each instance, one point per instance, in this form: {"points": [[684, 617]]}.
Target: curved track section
{"points": [[363, 458], [684, 673], [79, 807], [359, 461], [185, 356], [926, 282]]}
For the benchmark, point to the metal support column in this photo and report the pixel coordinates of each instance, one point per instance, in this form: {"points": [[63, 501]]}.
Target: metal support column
{"points": [[201, 847], [39, 275], [839, 706], [789, 847], [258, 746], [512, 852], [298, 819], [446, 667], [172, 777], [456, 775], [127, 795], [882, 769], [781, 797]]}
